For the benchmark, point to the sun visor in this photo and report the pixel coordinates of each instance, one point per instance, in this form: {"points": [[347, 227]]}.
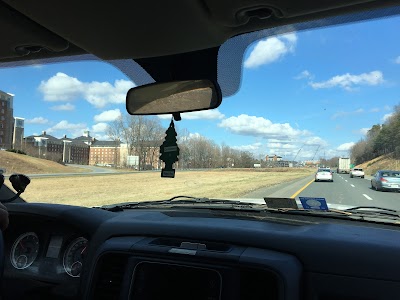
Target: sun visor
{"points": [[21, 36]]}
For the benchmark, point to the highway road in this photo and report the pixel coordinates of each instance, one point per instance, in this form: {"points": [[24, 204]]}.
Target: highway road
{"points": [[342, 191]]}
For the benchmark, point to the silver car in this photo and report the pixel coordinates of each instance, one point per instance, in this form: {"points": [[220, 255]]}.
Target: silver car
{"points": [[324, 174], [386, 180]]}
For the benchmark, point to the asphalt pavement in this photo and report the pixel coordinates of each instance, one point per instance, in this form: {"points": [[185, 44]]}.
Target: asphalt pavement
{"points": [[342, 191]]}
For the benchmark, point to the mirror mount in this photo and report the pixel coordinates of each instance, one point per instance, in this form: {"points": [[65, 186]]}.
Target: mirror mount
{"points": [[19, 183], [177, 116]]}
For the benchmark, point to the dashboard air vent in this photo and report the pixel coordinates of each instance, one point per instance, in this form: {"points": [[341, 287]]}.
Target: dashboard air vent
{"points": [[110, 271], [171, 242]]}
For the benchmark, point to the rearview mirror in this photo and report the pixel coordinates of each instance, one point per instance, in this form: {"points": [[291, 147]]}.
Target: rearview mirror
{"points": [[173, 97]]}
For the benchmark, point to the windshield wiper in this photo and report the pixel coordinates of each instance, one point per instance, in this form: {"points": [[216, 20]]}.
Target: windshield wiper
{"points": [[374, 210], [187, 200]]}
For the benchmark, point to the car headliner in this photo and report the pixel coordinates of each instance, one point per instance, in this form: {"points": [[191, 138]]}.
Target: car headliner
{"points": [[164, 40]]}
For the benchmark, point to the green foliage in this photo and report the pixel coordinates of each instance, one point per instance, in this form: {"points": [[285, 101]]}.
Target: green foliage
{"points": [[380, 140]]}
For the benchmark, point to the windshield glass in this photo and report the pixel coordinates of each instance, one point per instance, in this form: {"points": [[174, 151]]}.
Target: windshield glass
{"points": [[308, 100]]}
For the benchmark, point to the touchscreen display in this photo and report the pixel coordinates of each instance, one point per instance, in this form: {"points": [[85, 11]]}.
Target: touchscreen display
{"points": [[165, 281]]}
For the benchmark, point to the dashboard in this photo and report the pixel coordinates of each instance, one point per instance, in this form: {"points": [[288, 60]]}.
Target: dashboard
{"points": [[66, 252]]}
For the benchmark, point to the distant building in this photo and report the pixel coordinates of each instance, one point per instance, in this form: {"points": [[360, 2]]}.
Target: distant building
{"points": [[18, 133], [105, 153], [86, 138], [273, 158], [44, 146], [6, 119], [66, 150]]}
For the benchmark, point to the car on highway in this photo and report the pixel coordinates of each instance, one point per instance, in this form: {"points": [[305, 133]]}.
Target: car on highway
{"points": [[324, 174], [357, 172], [386, 180]]}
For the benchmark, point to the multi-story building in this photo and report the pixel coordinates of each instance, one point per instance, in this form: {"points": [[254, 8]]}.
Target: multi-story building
{"points": [[6, 119], [105, 153], [146, 157], [18, 133], [65, 150], [86, 138]]}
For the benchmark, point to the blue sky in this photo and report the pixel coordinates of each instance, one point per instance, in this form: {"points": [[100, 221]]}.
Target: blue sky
{"points": [[322, 88]]}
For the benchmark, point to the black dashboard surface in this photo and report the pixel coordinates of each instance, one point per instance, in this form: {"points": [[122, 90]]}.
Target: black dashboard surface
{"points": [[313, 257]]}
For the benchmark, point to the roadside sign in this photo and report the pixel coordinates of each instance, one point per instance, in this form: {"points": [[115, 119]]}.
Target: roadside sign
{"points": [[352, 166], [314, 203]]}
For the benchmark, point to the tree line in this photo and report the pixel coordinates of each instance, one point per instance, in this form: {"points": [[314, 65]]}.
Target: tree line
{"points": [[144, 135], [380, 139]]}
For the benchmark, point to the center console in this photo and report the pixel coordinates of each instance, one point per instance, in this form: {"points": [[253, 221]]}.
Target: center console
{"points": [[147, 268]]}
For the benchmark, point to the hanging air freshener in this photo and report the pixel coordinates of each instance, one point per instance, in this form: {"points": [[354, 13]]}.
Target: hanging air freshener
{"points": [[169, 151]]}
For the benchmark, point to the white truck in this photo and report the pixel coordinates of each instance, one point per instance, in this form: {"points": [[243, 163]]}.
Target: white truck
{"points": [[344, 165]]}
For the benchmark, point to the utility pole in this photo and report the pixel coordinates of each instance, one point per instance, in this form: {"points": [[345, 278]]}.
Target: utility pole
{"points": [[316, 152]]}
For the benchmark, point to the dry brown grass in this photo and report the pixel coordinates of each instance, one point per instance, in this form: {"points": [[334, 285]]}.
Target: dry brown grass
{"points": [[384, 162], [19, 163], [108, 189]]}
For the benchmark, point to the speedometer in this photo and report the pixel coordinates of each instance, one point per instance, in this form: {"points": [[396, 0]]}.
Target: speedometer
{"points": [[73, 256], [24, 250]]}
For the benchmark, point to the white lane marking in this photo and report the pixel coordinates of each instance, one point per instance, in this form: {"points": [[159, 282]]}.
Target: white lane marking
{"points": [[352, 185], [368, 197], [345, 180]]}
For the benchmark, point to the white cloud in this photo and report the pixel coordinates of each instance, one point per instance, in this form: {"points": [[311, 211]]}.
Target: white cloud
{"points": [[375, 109], [304, 75], [387, 108], [281, 146], [195, 135], [108, 115], [315, 141], [190, 136], [397, 60], [99, 127], [210, 114], [364, 130], [64, 126], [62, 87], [251, 147], [271, 49], [349, 81], [386, 117], [346, 146], [340, 114], [101, 137], [260, 127], [67, 106], [37, 120]]}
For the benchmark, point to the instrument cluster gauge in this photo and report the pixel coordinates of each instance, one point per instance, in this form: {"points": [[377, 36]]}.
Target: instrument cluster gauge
{"points": [[24, 250], [74, 255]]}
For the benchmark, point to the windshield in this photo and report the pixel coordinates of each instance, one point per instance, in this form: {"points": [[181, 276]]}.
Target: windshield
{"points": [[307, 100]]}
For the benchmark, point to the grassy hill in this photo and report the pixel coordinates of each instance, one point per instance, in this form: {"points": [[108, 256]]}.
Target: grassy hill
{"points": [[18, 163], [384, 162]]}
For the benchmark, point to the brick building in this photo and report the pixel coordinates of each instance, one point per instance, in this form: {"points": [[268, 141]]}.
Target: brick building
{"points": [[65, 149], [105, 153], [6, 119]]}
